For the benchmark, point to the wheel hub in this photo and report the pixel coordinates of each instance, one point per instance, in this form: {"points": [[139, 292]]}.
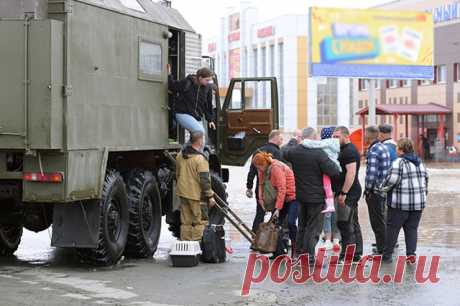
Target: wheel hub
{"points": [[114, 221], [147, 214]]}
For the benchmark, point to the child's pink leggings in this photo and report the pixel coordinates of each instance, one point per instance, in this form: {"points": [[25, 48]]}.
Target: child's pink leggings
{"points": [[327, 187]]}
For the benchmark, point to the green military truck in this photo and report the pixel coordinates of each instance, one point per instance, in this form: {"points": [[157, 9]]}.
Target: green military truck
{"points": [[85, 123]]}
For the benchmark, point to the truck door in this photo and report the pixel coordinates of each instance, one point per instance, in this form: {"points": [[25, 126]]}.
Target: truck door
{"points": [[249, 113]]}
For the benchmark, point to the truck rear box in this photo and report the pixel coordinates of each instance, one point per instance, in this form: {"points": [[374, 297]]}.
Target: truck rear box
{"points": [[31, 82]]}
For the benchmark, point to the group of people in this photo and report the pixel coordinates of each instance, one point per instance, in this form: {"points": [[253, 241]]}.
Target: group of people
{"points": [[312, 182], [317, 189]]}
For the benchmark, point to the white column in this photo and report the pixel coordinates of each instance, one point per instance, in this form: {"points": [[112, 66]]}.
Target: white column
{"points": [[312, 119], [343, 102], [260, 103], [372, 106]]}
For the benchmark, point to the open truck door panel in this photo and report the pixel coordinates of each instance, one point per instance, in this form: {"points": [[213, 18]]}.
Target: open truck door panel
{"points": [[249, 113]]}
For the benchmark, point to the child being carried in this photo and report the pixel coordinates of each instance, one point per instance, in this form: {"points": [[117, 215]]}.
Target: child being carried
{"points": [[331, 147]]}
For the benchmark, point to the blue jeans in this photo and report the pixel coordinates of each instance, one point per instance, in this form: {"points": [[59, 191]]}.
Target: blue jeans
{"points": [[291, 210], [330, 220], [189, 123]]}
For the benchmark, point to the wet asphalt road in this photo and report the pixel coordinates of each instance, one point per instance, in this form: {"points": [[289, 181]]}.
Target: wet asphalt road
{"points": [[41, 275]]}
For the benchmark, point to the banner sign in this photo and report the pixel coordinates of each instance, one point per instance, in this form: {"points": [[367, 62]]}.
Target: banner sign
{"points": [[371, 44]]}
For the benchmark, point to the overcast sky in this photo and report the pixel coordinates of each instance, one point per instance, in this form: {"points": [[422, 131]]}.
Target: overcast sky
{"points": [[204, 15]]}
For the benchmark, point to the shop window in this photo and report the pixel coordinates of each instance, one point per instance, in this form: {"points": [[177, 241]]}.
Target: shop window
{"points": [[441, 74], [456, 72], [394, 84]]}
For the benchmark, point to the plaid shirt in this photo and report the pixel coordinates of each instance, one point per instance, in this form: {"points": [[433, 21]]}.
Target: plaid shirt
{"points": [[408, 184], [378, 165]]}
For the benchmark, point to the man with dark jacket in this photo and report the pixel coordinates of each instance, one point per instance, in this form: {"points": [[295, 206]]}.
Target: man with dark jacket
{"points": [[309, 166], [291, 143], [275, 140]]}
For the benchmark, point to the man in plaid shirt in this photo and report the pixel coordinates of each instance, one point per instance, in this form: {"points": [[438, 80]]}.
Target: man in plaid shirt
{"points": [[378, 165]]}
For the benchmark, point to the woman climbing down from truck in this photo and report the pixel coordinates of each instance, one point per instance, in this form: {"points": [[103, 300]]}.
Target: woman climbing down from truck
{"points": [[193, 99]]}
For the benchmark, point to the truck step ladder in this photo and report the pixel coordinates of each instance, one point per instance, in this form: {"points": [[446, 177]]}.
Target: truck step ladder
{"points": [[233, 218]]}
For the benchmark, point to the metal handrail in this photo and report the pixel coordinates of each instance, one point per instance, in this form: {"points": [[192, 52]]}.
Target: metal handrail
{"points": [[233, 218]]}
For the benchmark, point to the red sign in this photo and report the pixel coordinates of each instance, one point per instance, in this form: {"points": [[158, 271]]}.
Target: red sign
{"points": [[234, 63], [266, 32], [234, 22], [234, 36], [211, 47]]}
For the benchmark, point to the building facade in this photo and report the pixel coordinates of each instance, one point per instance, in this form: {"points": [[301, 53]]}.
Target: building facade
{"points": [[443, 90], [278, 47]]}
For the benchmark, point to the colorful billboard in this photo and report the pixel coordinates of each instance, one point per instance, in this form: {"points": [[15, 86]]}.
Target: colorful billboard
{"points": [[371, 44]]}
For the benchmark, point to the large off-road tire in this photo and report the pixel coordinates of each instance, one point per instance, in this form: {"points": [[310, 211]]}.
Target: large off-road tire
{"points": [[10, 237], [144, 214], [37, 217], [114, 223], [173, 218]]}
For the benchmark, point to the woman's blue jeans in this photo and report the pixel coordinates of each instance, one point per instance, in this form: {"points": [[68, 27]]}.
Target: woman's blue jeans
{"points": [[189, 123], [290, 209]]}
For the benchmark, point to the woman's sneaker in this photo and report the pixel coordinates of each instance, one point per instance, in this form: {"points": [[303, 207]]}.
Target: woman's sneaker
{"points": [[336, 245], [328, 245]]}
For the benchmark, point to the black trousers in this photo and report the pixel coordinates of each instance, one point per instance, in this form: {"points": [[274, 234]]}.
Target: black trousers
{"points": [[350, 230], [376, 208], [259, 218], [310, 227], [409, 221]]}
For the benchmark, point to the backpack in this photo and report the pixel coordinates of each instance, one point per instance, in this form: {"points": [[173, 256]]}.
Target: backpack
{"points": [[213, 244], [213, 241]]}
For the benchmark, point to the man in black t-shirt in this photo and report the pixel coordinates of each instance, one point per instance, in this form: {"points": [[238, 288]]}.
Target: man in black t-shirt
{"points": [[348, 192]]}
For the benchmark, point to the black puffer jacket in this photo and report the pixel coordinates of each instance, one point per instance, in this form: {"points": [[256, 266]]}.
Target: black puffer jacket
{"points": [[309, 165], [191, 98]]}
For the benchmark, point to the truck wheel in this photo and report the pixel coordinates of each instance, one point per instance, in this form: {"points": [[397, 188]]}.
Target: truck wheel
{"points": [[219, 188], [10, 237], [144, 214], [114, 223]]}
